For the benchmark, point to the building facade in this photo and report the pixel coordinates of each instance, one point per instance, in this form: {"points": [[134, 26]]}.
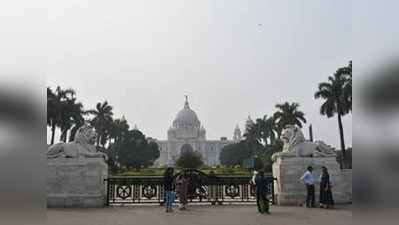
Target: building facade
{"points": [[187, 134]]}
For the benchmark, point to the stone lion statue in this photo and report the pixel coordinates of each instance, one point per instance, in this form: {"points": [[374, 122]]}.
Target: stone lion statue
{"points": [[295, 145], [81, 147]]}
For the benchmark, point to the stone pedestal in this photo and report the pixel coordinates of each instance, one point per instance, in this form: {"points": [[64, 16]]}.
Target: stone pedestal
{"points": [[73, 182], [290, 190]]}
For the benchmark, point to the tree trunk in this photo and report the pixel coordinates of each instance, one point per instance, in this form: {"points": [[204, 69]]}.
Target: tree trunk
{"points": [[72, 134], [98, 139], [62, 134], [66, 135], [341, 133], [52, 132]]}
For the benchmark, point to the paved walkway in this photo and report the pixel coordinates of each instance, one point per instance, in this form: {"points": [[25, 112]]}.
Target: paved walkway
{"points": [[200, 215]]}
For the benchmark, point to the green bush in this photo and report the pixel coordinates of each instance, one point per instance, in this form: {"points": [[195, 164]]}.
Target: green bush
{"points": [[190, 159]]}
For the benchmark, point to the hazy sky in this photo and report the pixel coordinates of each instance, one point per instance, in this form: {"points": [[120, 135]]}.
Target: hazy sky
{"points": [[233, 59]]}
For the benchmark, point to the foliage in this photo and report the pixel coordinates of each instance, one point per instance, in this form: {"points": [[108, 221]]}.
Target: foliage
{"points": [[263, 131], [63, 111], [117, 129], [135, 151], [189, 159], [288, 113], [123, 147], [102, 121], [235, 154], [266, 154], [337, 96], [261, 139]]}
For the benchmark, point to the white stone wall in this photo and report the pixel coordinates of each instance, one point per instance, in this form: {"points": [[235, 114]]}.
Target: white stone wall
{"points": [[210, 151], [76, 182], [347, 184], [289, 190]]}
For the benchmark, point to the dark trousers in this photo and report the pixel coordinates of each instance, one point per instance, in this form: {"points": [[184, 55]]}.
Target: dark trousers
{"points": [[263, 203], [310, 198]]}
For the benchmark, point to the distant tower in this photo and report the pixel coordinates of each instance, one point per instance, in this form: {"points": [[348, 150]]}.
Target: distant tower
{"points": [[202, 133], [237, 134]]}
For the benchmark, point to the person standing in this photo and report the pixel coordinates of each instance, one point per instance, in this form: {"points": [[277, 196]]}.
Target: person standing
{"points": [[254, 176], [308, 179], [181, 189], [262, 201], [168, 188], [326, 197]]}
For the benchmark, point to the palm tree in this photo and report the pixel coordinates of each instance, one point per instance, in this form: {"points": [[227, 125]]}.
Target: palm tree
{"points": [[338, 99], [76, 112], [56, 110], [264, 130], [102, 121], [288, 113], [347, 73], [71, 115], [118, 129]]}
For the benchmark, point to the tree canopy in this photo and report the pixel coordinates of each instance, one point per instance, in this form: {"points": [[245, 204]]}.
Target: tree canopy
{"points": [[102, 121], [289, 114], [235, 154], [135, 151], [64, 112], [190, 159], [123, 146], [337, 99]]}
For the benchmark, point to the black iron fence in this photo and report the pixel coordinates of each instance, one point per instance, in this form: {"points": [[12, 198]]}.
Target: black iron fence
{"points": [[201, 189]]}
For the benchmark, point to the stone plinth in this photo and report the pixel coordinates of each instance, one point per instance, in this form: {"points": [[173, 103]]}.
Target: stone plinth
{"points": [[290, 190], [74, 182]]}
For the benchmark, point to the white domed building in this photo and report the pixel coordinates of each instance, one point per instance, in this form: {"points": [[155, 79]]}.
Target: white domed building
{"points": [[187, 134]]}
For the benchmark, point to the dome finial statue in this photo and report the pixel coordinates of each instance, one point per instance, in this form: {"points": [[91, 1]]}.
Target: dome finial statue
{"points": [[186, 105]]}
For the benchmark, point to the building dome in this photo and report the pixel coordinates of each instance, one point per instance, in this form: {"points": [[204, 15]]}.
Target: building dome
{"points": [[186, 117]]}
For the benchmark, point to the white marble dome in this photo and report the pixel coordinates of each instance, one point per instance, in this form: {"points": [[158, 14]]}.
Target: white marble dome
{"points": [[187, 134], [186, 117]]}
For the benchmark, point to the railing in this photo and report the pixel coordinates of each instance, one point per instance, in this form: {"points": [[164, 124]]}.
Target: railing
{"points": [[149, 190]]}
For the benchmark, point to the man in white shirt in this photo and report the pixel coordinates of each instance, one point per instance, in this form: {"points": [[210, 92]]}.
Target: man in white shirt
{"points": [[308, 179], [254, 177]]}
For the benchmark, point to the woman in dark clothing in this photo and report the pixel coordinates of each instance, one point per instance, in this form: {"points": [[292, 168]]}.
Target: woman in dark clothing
{"points": [[168, 188], [326, 197]]}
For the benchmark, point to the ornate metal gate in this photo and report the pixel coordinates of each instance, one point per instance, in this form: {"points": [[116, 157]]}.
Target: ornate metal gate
{"points": [[202, 189]]}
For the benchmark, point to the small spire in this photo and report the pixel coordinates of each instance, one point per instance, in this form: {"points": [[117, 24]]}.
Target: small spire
{"points": [[186, 105], [123, 118], [237, 127], [237, 134], [135, 127]]}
